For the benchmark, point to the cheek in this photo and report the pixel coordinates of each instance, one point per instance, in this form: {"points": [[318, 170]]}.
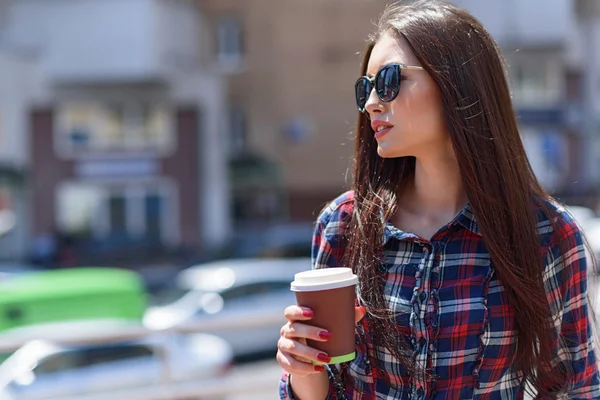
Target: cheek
{"points": [[419, 112]]}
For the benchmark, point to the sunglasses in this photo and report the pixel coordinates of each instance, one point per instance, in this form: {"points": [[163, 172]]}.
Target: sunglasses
{"points": [[386, 83]]}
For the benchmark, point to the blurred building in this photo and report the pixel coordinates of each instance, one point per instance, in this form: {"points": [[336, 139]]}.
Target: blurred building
{"points": [[291, 70], [17, 77], [125, 124], [141, 127], [552, 48]]}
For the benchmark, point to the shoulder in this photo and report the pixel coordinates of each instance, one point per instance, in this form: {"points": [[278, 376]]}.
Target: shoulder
{"points": [[337, 214], [557, 228]]}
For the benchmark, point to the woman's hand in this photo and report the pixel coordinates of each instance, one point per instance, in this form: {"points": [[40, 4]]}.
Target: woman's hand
{"points": [[293, 354]]}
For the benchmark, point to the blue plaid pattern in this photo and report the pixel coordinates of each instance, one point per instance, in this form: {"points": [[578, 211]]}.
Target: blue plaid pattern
{"points": [[455, 314]]}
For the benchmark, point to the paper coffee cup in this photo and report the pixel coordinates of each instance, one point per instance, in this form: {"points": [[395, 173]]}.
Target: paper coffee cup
{"points": [[330, 293]]}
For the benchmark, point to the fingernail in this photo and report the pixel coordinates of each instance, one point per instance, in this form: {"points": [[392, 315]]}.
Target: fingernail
{"points": [[319, 368], [325, 335], [363, 309], [307, 313], [323, 357]]}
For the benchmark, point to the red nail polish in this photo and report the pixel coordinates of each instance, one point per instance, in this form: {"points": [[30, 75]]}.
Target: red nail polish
{"points": [[307, 313], [319, 368], [325, 335], [324, 358]]}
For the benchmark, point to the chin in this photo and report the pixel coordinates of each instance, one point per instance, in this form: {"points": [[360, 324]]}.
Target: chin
{"points": [[384, 152]]}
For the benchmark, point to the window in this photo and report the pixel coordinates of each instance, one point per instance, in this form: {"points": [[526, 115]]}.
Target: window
{"points": [[84, 128], [536, 81], [86, 357], [254, 289], [548, 153], [237, 129], [118, 212], [230, 41], [237, 297]]}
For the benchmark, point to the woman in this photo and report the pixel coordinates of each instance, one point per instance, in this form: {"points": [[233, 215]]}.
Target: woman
{"points": [[460, 253]]}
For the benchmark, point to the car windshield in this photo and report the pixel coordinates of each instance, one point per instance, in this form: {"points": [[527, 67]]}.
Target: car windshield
{"points": [[86, 357], [211, 302]]}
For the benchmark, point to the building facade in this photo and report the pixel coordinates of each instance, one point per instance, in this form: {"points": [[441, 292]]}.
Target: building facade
{"points": [[551, 48], [291, 68], [17, 78], [125, 160], [291, 72]]}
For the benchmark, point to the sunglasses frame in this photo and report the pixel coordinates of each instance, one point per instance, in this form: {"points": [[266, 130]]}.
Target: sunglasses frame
{"points": [[374, 78]]}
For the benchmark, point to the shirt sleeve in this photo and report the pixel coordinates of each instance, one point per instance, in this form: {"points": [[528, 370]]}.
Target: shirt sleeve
{"points": [[327, 251], [329, 238], [569, 303], [286, 393]]}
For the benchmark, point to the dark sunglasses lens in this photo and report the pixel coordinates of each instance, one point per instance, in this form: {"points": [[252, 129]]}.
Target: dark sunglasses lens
{"points": [[387, 83], [362, 91]]}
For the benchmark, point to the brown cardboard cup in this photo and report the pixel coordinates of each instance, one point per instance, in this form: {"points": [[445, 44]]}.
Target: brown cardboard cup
{"points": [[330, 293]]}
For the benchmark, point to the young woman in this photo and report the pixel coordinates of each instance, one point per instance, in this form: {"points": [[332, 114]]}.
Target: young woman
{"points": [[472, 280]]}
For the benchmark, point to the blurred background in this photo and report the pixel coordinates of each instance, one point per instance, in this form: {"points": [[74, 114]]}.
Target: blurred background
{"points": [[162, 163]]}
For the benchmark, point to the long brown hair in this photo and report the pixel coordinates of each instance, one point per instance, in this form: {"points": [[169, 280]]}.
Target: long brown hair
{"points": [[465, 62]]}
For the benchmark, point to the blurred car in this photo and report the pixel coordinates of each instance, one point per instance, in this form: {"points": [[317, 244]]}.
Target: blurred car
{"points": [[45, 369], [12, 270], [252, 292], [590, 224], [592, 234], [71, 294], [290, 240], [583, 215]]}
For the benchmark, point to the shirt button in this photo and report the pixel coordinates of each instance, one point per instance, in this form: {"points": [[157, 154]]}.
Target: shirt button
{"points": [[432, 347], [423, 296], [420, 391]]}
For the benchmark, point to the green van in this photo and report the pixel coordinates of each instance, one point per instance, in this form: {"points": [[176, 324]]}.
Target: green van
{"points": [[71, 294]]}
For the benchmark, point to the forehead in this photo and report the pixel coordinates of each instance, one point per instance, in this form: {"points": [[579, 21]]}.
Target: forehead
{"points": [[390, 49]]}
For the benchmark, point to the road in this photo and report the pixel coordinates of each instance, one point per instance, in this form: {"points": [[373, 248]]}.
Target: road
{"points": [[267, 371]]}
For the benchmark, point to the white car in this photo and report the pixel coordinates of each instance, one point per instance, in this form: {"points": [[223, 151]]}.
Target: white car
{"points": [[142, 368], [252, 293], [11, 270], [583, 215]]}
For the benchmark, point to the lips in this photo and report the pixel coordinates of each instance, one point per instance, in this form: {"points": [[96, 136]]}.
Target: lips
{"points": [[381, 128]]}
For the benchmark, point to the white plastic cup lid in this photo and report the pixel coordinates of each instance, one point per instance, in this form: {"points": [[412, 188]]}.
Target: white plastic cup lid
{"points": [[323, 279]]}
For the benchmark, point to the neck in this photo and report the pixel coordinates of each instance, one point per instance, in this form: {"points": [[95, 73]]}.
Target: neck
{"points": [[437, 188]]}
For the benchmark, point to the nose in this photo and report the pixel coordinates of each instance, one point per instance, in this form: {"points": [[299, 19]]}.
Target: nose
{"points": [[374, 105]]}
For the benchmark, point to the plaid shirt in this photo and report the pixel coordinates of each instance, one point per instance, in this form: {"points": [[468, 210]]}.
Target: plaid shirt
{"points": [[455, 313]]}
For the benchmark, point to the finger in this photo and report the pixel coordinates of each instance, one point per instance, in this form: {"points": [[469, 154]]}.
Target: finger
{"points": [[297, 313], [359, 314], [304, 342], [300, 350], [293, 366], [296, 330]]}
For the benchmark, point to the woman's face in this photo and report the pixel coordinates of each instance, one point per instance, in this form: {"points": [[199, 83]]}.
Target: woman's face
{"points": [[416, 115]]}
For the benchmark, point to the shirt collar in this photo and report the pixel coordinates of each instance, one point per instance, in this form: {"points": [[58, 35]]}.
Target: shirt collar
{"points": [[466, 218]]}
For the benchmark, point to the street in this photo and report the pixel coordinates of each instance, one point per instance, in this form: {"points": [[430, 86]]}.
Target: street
{"points": [[267, 371]]}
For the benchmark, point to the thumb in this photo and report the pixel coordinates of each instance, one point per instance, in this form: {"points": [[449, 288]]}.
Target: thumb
{"points": [[359, 313]]}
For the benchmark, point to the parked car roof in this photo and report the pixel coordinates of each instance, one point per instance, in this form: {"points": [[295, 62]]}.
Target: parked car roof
{"points": [[219, 275], [188, 357]]}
